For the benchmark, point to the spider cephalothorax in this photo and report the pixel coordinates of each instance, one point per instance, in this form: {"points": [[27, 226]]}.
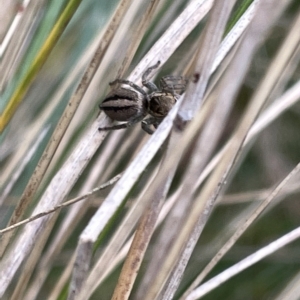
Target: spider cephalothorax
{"points": [[133, 104]]}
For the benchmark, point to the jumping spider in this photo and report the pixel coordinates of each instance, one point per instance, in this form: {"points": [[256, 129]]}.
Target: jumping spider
{"points": [[133, 104]]}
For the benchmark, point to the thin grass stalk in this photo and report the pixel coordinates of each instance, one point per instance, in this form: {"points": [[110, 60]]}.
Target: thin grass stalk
{"points": [[212, 188], [204, 59], [144, 233], [287, 73], [173, 36], [140, 30], [65, 204], [272, 75], [38, 62], [29, 155], [66, 118], [143, 160], [102, 274], [34, 130], [234, 34], [226, 45], [55, 193], [256, 195], [242, 228], [283, 103], [31, 261], [277, 108], [75, 214], [211, 40], [116, 196], [12, 46], [202, 150], [245, 263], [107, 258]]}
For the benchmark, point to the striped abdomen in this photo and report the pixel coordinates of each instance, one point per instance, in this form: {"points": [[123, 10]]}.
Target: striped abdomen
{"points": [[124, 105]]}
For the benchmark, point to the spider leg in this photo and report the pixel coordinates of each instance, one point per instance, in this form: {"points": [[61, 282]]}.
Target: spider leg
{"points": [[148, 122], [114, 127], [123, 125], [130, 83], [173, 84], [145, 80]]}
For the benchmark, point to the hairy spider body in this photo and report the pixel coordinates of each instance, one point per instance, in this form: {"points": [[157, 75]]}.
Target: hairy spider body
{"points": [[161, 103], [124, 105], [132, 104]]}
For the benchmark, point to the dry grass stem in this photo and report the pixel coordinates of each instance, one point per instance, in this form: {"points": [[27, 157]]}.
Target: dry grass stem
{"points": [[200, 193]]}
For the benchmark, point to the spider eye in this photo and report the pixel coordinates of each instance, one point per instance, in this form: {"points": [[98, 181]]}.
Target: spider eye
{"points": [[155, 101], [155, 107]]}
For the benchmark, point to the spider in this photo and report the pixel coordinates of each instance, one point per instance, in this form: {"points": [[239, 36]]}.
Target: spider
{"points": [[133, 104]]}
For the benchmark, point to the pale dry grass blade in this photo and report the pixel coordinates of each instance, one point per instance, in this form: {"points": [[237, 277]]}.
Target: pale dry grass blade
{"points": [[73, 216], [108, 258], [32, 260], [65, 204], [144, 231], [235, 33], [61, 184], [201, 71], [278, 65], [16, 39], [208, 49], [256, 195], [290, 97], [252, 39], [283, 103], [167, 39], [245, 263], [64, 122], [123, 252], [276, 193], [140, 30], [173, 36], [7, 14], [22, 165], [231, 68], [34, 129], [116, 196]]}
